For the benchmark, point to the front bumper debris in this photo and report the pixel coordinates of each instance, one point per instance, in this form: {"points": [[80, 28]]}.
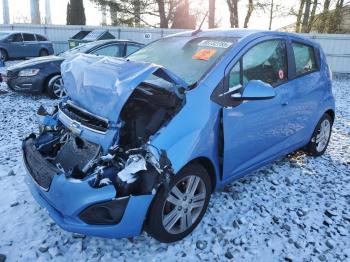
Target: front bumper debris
{"points": [[67, 200]]}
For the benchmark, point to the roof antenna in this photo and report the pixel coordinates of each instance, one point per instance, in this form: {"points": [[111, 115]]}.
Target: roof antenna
{"points": [[200, 26]]}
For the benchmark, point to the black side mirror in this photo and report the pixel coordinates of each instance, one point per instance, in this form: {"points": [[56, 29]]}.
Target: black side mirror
{"points": [[254, 90]]}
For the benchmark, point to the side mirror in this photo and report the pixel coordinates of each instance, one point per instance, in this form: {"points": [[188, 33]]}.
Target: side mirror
{"points": [[256, 90]]}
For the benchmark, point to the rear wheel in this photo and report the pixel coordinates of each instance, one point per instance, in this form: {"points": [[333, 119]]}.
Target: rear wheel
{"points": [[43, 52], [3, 55], [174, 214], [320, 138], [55, 87]]}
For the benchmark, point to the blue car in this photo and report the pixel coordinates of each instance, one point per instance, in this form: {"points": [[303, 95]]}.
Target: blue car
{"points": [[23, 44], [141, 143]]}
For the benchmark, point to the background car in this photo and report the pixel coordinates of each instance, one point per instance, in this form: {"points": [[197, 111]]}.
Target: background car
{"points": [[23, 44], [43, 74]]}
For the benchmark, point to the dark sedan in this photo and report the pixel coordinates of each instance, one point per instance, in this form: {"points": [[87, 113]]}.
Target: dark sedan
{"points": [[43, 74]]}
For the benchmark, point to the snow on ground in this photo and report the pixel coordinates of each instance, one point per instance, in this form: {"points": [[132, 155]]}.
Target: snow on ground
{"points": [[296, 209]]}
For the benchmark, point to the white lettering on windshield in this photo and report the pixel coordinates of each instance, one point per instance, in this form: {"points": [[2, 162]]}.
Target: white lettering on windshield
{"points": [[215, 43]]}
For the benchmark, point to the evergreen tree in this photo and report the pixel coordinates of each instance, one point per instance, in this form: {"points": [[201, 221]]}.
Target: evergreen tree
{"points": [[76, 12]]}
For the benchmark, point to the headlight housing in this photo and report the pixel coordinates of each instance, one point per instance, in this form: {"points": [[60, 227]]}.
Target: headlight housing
{"points": [[28, 72]]}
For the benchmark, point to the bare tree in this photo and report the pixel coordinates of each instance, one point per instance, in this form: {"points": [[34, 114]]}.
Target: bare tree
{"points": [[305, 23], [211, 18], [324, 16], [47, 12], [299, 16], [5, 12], [164, 22], [233, 8], [336, 17], [312, 16], [35, 11], [273, 8], [249, 13]]}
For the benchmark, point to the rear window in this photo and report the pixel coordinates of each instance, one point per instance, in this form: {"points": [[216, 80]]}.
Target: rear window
{"points": [[305, 60], [40, 38], [28, 37]]}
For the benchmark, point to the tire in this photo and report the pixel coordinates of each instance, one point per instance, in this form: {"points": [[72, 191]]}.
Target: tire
{"points": [[55, 87], [320, 137], [3, 55], [162, 209], [43, 52]]}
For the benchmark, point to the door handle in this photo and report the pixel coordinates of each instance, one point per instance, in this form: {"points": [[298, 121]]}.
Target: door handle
{"points": [[284, 103]]}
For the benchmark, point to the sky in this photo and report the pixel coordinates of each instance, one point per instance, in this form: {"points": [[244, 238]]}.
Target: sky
{"points": [[20, 12]]}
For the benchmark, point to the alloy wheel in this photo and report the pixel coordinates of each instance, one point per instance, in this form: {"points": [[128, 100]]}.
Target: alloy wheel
{"points": [[184, 204], [58, 88], [323, 134], [2, 55]]}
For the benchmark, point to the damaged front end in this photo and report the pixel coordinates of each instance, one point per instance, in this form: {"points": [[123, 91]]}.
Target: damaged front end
{"points": [[93, 163]]}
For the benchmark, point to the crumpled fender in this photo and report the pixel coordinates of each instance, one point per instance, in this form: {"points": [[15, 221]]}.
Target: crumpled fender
{"points": [[102, 85]]}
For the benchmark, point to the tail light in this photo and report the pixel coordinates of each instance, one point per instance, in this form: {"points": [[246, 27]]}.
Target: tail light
{"points": [[330, 73]]}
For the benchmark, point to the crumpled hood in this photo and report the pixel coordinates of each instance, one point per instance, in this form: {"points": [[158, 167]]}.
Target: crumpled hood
{"points": [[102, 85], [35, 62]]}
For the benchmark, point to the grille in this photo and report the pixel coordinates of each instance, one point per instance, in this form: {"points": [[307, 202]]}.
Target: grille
{"points": [[83, 117], [40, 170]]}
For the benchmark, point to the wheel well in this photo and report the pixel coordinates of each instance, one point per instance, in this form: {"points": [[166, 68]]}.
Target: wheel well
{"points": [[208, 165], [43, 48], [3, 49], [331, 113], [48, 78]]}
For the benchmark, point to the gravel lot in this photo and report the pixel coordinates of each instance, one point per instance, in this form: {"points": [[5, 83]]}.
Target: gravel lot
{"points": [[297, 209]]}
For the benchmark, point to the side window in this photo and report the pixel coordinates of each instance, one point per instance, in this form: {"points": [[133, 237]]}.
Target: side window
{"points": [[235, 77], [304, 56], [40, 38], [267, 62], [131, 49], [28, 37], [16, 38], [111, 50]]}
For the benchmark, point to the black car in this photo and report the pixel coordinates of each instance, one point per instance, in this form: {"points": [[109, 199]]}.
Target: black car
{"points": [[43, 74]]}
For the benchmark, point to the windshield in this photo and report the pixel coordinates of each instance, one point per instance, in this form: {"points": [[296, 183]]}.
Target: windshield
{"points": [[3, 35], [79, 49], [188, 57]]}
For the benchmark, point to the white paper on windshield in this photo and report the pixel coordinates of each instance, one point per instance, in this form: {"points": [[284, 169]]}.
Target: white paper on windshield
{"points": [[215, 43]]}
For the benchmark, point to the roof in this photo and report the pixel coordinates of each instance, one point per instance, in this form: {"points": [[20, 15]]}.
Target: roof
{"points": [[20, 32], [240, 33], [114, 40]]}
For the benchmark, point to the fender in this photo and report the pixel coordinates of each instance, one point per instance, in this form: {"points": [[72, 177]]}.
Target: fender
{"points": [[327, 104]]}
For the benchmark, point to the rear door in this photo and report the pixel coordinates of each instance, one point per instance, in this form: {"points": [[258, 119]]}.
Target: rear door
{"points": [[307, 89], [16, 45], [31, 47], [256, 131]]}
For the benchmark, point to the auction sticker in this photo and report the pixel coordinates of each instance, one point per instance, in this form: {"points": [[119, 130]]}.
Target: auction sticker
{"points": [[204, 54], [214, 43]]}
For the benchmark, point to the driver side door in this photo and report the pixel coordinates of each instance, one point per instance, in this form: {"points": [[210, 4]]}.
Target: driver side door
{"points": [[254, 130]]}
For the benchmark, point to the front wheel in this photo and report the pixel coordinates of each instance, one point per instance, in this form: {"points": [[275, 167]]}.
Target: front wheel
{"points": [[43, 52], [55, 87], [3, 55], [320, 137], [174, 214]]}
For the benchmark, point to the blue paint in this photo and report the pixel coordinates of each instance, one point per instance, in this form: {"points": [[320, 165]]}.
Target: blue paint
{"points": [[255, 132]]}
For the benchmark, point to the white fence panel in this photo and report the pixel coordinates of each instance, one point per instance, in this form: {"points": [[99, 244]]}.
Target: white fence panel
{"points": [[336, 47]]}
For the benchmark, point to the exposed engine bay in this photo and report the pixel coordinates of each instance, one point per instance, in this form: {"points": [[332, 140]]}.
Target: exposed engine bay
{"points": [[132, 164]]}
